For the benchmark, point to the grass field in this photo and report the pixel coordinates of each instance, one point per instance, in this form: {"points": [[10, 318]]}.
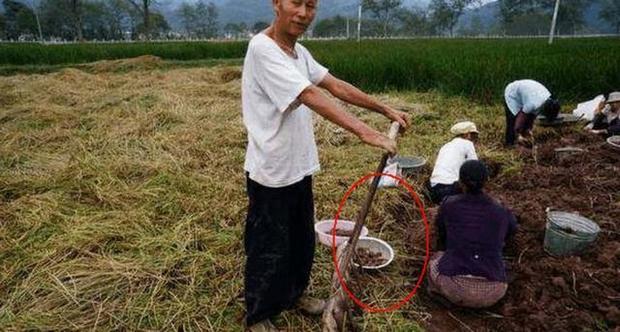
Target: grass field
{"points": [[122, 197], [574, 69], [37, 54]]}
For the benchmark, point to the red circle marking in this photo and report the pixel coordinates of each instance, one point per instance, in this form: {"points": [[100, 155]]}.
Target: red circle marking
{"points": [[343, 284]]}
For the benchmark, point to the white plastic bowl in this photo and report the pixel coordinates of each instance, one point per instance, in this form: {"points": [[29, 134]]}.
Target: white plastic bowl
{"points": [[324, 230], [614, 142], [376, 245]]}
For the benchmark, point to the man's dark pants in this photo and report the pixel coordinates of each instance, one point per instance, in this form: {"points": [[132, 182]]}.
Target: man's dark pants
{"points": [[279, 247], [440, 191], [510, 136]]}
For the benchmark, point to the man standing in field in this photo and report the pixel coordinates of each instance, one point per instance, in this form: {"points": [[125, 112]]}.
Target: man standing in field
{"points": [[280, 85], [524, 100]]}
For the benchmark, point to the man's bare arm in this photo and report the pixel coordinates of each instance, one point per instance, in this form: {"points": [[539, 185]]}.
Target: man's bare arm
{"points": [[316, 100], [352, 95]]}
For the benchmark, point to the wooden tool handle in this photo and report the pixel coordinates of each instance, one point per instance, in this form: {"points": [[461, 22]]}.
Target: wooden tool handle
{"points": [[361, 217], [394, 128], [336, 308]]}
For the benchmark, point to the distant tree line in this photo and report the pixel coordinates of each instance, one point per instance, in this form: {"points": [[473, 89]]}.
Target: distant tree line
{"points": [[141, 19], [441, 17], [102, 20], [80, 20]]}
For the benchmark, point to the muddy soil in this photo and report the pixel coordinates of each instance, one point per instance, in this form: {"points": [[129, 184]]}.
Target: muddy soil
{"points": [[575, 293], [366, 257], [344, 232]]}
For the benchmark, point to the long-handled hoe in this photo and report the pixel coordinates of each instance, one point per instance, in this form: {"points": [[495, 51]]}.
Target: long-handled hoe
{"points": [[337, 305]]}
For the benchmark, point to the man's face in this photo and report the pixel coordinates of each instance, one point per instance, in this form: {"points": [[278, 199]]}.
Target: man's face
{"points": [[615, 107], [472, 137], [294, 16]]}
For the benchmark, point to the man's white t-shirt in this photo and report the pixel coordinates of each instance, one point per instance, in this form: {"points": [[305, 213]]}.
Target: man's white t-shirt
{"points": [[281, 147], [526, 96], [450, 159]]}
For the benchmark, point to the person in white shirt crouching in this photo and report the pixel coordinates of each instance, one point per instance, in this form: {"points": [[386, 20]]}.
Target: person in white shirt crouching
{"points": [[445, 177]]}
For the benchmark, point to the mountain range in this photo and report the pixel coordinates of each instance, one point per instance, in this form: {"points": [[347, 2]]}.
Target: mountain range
{"points": [[251, 11], [489, 15]]}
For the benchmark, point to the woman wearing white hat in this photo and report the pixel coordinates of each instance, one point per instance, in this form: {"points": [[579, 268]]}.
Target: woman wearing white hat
{"points": [[445, 177], [607, 116]]}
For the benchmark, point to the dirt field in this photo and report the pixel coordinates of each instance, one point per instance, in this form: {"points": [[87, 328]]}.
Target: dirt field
{"points": [[553, 293]]}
